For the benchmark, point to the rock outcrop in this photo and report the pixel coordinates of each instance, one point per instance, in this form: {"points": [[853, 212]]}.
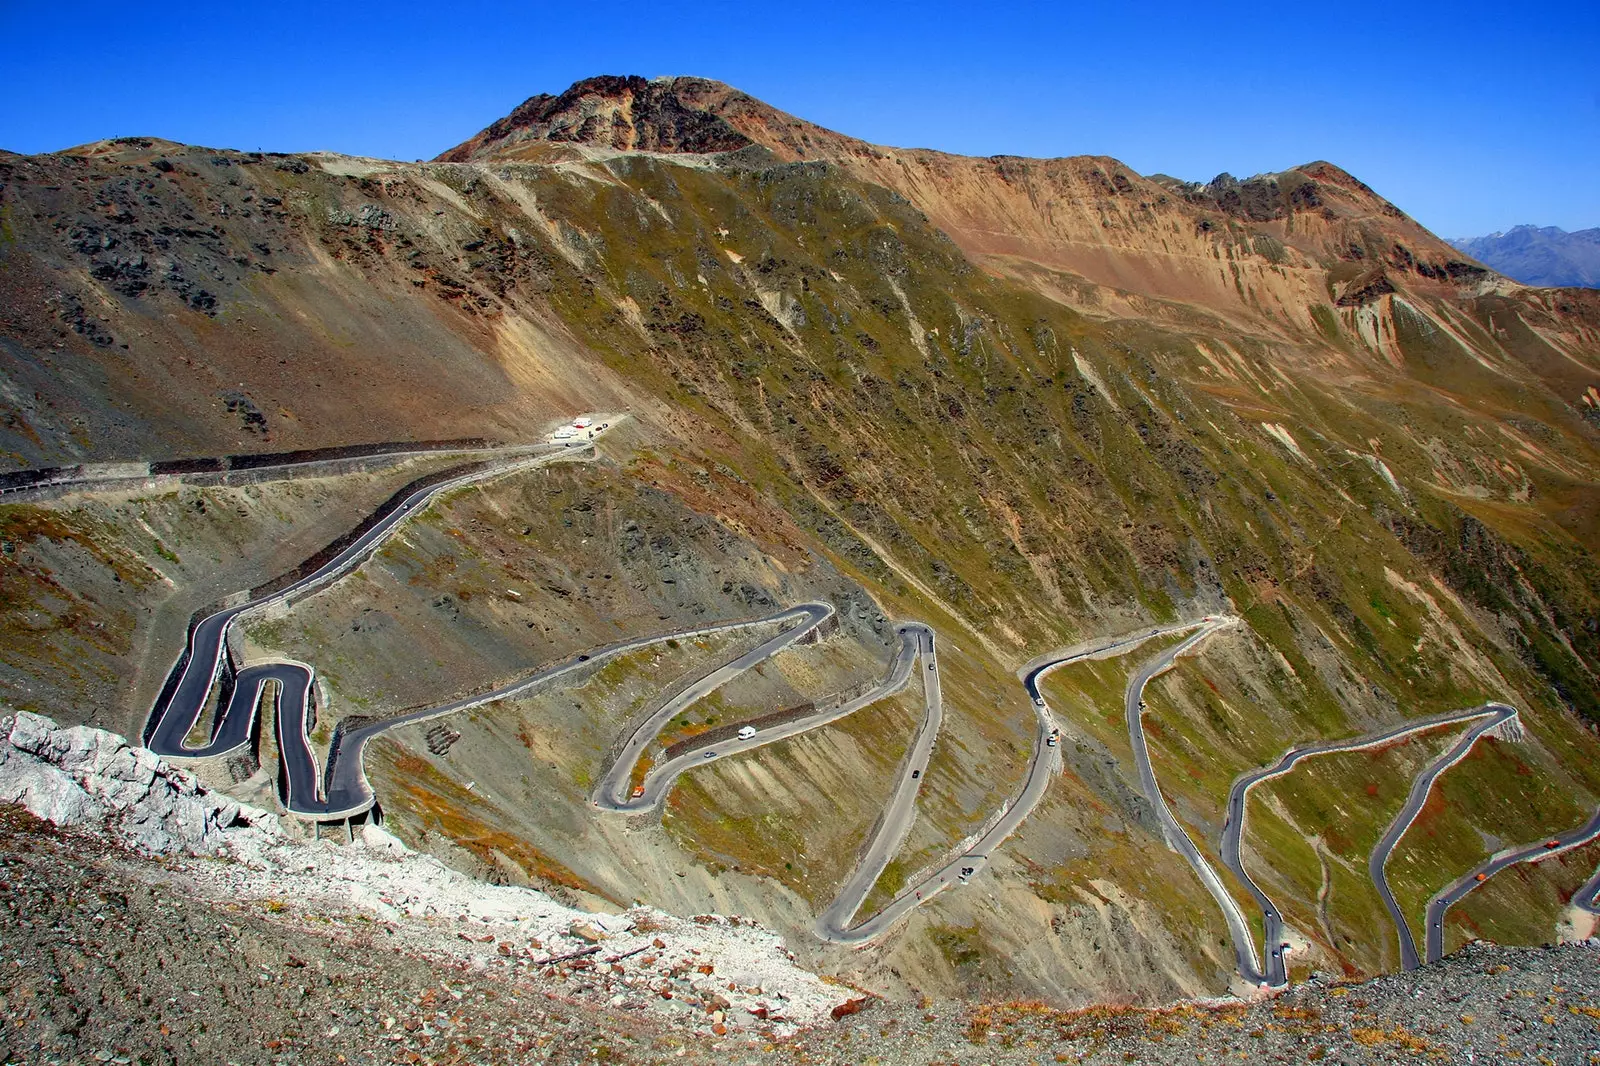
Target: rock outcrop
{"points": [[1261, 249], [81, 776], [705, 971]]}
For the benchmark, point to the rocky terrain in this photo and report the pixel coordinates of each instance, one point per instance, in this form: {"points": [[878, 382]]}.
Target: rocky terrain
{"points": [[147, 920], [704, 971], [1026, 402], [1540, 255]]}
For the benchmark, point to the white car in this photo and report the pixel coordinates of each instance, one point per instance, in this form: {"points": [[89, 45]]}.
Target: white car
{"points": [[711, 755], [747, 732], [1038, 701]]}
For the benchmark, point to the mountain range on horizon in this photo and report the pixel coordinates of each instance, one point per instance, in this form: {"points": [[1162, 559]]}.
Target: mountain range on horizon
{"points": [[1539, 255], [1021, 404]]}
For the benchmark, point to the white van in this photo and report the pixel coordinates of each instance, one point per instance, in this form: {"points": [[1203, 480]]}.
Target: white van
{"points": [[747, 732]]}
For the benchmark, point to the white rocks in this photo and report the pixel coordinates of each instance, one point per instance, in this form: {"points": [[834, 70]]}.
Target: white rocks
{"points": [[89, 778], [78, 775]]}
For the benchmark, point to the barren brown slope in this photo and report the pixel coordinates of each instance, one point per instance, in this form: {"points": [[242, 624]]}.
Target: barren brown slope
{"points": [[1266, 250]]}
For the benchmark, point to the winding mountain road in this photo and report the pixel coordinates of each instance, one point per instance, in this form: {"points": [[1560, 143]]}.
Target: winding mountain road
{"points": [[349, 792], [1378, 862], [833, 923], [611, 793], [343, 790], [917, 654], [1244, 945], [969, 859], [1451, 894], [204, 658], [1238, 809]]}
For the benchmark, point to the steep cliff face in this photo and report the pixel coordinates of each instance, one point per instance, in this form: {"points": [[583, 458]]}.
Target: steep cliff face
{"points": [[1385, 464]]}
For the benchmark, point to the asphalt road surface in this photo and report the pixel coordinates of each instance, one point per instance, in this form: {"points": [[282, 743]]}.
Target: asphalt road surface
{"points": [[349, 792], [1377, 863], [202, 662], [833, 923], [969, 860], [1238, 806], [1587, 898], [344, 789], [1244, 945], [611, 793], [1452, 894]]}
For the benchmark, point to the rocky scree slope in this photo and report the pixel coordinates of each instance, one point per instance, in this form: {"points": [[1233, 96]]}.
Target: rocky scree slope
{"points": [[1398, 497], [121, 947], [715, 971]]}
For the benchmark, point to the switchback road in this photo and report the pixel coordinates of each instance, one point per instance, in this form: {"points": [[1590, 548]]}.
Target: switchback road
{"points": [[205, 659], [1452, 893], [348, 790], [1244, 946], [897, 817], [917, 655], [611, 793], [344, 790], [1239, 804], [968, 860], [1377, 864]]}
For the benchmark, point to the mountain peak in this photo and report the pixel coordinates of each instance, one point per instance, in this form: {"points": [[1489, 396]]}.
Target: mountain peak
{"points": [[624, 112], [1088, 215], [1540, 255]]}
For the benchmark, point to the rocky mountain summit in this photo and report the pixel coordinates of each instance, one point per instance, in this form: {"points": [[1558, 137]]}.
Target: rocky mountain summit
{"points": [[1294, 234]]}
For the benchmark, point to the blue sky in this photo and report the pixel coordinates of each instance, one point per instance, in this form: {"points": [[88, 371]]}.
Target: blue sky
{"points": [[1471, 116]]}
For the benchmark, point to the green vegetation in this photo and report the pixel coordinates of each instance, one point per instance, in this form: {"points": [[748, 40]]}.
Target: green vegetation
{"points": [[852, 401], [959, 946]]}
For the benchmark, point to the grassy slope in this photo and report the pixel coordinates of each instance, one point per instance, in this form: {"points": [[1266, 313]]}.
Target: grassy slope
{"points": [[930, 427], [827, 372]]}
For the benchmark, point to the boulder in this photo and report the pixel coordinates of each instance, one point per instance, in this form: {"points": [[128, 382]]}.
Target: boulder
{"points": [[75, 775]]}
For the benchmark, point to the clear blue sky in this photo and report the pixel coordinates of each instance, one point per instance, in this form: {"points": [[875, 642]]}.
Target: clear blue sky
{"points": [[1471, 116]]}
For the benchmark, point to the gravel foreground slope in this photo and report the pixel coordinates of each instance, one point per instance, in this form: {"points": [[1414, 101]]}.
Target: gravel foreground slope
{"points": [[105, 957], [243, 947]]}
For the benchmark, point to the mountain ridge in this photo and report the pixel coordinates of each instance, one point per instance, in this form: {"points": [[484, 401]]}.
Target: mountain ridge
{"points": [[1540, 255], [1289, 240], [1019, 400]]}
